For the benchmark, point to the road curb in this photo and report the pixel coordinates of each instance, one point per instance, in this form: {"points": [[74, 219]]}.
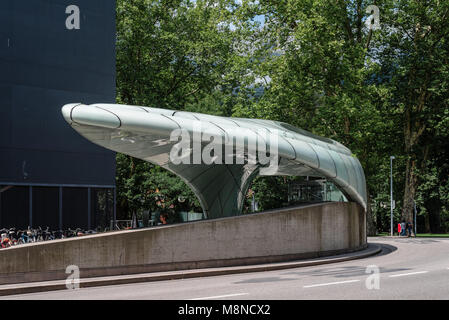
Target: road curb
{"points": [[33, 287]]}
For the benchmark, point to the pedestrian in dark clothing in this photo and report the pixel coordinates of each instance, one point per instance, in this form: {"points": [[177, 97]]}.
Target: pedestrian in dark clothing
{"points": [[409, 228]]}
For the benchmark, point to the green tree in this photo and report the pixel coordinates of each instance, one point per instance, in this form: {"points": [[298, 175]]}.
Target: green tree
{"points": [[319, 60], [180, 55], [311, 63], [414, 56], [381, 92]]}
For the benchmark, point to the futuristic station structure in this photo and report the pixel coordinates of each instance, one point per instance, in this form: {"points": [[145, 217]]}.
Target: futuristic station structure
{"points": [[154, 134], [217, 157]]}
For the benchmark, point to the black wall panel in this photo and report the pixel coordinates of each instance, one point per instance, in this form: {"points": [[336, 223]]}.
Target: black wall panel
{"points": [[43, 66], [46, 207], [14, 208], [75, 208]]}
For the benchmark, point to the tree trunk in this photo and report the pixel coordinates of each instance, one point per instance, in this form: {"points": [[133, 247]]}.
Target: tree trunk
{"points": [[371, 229], [409, 191], [412, 132]]}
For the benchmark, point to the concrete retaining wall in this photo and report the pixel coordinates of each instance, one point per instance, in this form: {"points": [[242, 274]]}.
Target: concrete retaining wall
{"points": [[287, 234]]}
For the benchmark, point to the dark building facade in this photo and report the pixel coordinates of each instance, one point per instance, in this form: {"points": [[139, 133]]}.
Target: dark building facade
{"points": [[54, 52]]}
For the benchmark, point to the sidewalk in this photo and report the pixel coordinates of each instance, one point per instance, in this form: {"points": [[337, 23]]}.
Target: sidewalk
{"points": [[21, 288]]}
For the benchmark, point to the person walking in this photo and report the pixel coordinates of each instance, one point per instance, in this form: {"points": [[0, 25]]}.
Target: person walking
{"points": [[409, 228], [403, 228]]}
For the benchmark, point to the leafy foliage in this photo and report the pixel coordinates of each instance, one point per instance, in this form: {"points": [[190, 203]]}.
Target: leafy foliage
{"points": [[178, 55], [311, 63]]}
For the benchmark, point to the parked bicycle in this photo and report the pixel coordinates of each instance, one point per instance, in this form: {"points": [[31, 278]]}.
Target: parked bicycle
{"points": [[12, 237]]}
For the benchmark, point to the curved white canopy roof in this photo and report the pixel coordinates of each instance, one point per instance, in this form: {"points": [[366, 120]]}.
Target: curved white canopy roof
{"points": [[144, 133]]}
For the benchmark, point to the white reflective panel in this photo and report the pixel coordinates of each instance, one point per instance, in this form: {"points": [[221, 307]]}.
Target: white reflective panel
{"points": [[251, 123], [327, 165], [360, 180], [294, 168], [320, 143], [305, 139], [227, 185], [185, 115], [98, 135], [199, 127], [220, 121], [118, 107], [351, 171], [305, 153], [165, 112], [150, 148], [362, 183], [286, 149], [339, 148], [93, 116], [342, 172], [147, 122]]}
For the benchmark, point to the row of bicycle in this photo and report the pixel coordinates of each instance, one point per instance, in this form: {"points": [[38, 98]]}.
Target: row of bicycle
{"points": [[11, 237]]}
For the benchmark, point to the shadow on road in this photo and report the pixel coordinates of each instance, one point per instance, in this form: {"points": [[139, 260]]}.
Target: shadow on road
{"points": [[329, 270], [266, 279], [342, 272], [386, 249]]}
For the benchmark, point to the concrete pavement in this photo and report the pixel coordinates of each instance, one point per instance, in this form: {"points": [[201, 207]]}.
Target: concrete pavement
{"points": [[287, 234], [409, 268], [22, 288]]}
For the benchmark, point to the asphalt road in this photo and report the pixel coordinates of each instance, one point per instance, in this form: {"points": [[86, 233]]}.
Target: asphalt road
{"points": [[409, 268]]}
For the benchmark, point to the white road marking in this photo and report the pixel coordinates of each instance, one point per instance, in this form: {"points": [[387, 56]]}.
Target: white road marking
{"points": [[223, 296], [406, 274], [329, 284]]}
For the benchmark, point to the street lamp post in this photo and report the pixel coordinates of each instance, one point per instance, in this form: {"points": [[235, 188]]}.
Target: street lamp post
{"points": [[391, 194]]}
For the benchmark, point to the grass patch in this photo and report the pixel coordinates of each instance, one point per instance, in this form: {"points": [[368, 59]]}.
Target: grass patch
{"points": [[419, 235], [433, 235], [383, 234]]}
